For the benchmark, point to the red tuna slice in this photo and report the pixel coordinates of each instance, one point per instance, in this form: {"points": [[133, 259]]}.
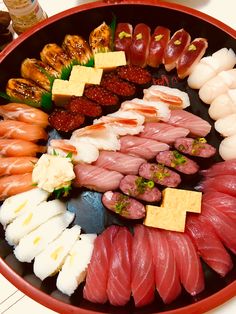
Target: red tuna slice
{"points": [[223, 225], [159, 40], [166, 272], [141, 147], [188, 262], [119, 162], [176, 45], [119, 276], [123, 38], [191, 56], [223, 183], [143, 279], [220, 168], [196, 125], [139, 47], [222, 202], [209, 247], [95, 289], [163, 132]]}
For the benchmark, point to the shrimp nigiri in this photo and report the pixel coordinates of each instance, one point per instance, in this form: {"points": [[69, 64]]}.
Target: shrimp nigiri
{"points": [[19, 148], [24, 113], [17, 165], [21, 130]]}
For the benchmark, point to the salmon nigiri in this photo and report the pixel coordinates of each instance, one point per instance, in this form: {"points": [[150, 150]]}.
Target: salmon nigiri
{"points": [[17, 165], [19, 148]]}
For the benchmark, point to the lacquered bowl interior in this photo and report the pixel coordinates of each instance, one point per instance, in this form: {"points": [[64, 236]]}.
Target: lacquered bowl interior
{"points": [[90, 214]]}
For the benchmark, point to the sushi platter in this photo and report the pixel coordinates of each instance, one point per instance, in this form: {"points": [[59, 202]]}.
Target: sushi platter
{"points": [[118, 161]]}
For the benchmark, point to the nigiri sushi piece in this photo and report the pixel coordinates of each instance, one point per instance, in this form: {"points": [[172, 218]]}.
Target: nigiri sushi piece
{"points": [[175, 46], [14, 184], [222, 60], [95, 289], [166, 273], [73, 271], [195, 147], [224, 226], [223, 105], [18, 204], [119, 273], [123, 38], [96, 178], [226, 126], [173, 97], [190, 57], [50, 260], [24, 113], [188, 262], [81, 151], [99, 135], [221, 168], [17, 165], [152, 111], [218, 85], [21, 130], [139, 47], [143, 276], [140, 119], [36, 241], [159, 40], [31, 219], [116, 161], [224, 183], [163, 132], [227, 148], [196, 125], [141, 147], [19, 148], [208, 244], [100, 39]]}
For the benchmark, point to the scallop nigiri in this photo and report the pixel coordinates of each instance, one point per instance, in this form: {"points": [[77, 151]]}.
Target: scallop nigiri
{"points": [[223, 105], [49, 261], [226, 126], [227, 148]]}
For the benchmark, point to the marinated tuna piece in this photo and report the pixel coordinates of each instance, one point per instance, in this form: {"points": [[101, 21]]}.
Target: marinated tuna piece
{"points": [[140, 188], [134, 74], [123, 38], [196, 125], [163, 132], [123, 205], [39, 72], [159, 40], [84, 106], [117, 161], [55, 56], [141, 147], [96, 178], [195, 147], [100, 39], [114, 84], [176, 160], [119, 277], [101, 96], [65, 121], [175, 46], [77, 48], [143, 269], [139, 47], [159, 174]]}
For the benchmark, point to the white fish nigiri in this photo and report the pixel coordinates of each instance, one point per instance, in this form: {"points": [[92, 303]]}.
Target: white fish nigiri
{"points": [[223, 105], [151, 110], [32, 219], [74, 270], [227, 148], [98, 135], [81, 151], [36, 241], [226, 126], [18, 204], [49, 261], [208, 67], [123, 122], [218, 85], [173, 97]]}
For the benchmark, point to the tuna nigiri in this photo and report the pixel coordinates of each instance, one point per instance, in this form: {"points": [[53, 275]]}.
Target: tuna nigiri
{"points": [[221, 183], [221, 168], [123, 38]]}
